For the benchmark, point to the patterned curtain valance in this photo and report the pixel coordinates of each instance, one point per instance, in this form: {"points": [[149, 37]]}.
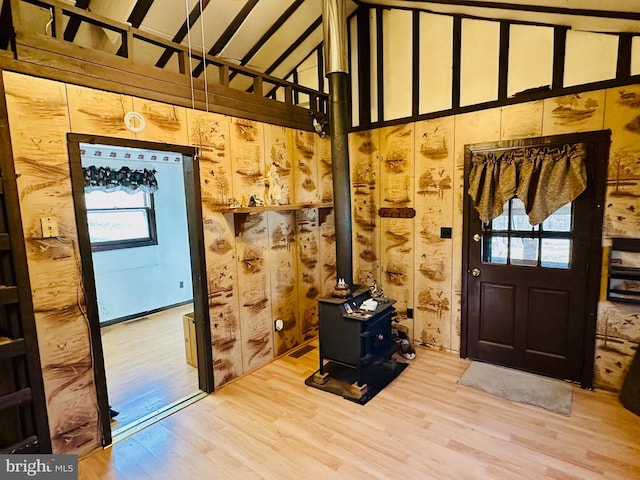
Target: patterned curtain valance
{"points": [[106, 179], [544, 177]]}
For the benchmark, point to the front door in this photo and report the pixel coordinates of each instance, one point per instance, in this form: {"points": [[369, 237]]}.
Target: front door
{"points": [[530, 292]]}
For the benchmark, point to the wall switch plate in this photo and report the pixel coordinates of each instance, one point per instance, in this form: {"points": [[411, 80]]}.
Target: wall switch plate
{"points": [[49, 227], [445, 232]]}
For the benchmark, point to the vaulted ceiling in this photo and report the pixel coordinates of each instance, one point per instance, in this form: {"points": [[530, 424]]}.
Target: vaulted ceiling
{"points": [[276, 36]]}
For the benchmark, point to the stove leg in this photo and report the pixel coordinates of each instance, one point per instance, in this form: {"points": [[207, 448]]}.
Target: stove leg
{"points": [[357, 390]]}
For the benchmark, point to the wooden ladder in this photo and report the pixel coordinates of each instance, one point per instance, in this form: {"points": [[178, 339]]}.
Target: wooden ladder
{"points": [[23, 411]]}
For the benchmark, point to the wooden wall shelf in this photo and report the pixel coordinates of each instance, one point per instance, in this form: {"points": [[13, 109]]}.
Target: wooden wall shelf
{"points": [[268, 208], [241, 214]]}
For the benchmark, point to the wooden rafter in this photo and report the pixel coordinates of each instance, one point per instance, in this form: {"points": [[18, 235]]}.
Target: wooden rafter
{"points": [[223, 40], [183, 31], [74, 22]]}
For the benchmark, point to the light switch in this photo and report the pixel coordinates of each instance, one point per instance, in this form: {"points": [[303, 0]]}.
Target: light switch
{"points": [[49, 227]]}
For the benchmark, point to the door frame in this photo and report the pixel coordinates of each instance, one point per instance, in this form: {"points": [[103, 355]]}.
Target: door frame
{"points": [[597, 142], [197, 253]]}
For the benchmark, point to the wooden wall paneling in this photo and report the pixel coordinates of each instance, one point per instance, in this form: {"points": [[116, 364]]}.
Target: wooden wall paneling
{"points": [[622, 117], [309, 271], [283, 270], [278, 151], [326, 173], [522, 120], [38, 116], [254, 291], [327, 236], [305, 156], [573, 113], [618, 333], [164, 123], [364, 148], [434, 210], [469, 128], [96, 111], [220, 248], [397, 175], [247, 159], [617, 340], [209, 132]]}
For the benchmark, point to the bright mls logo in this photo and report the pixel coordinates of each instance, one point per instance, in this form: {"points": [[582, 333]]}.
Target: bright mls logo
{"points": [[52, 467]]}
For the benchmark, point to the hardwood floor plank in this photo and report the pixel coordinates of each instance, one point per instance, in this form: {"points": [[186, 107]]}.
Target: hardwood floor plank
{"points": [[269, 424]]}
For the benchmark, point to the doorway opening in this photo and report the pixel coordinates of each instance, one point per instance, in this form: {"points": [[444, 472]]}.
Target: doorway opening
{"points": [[140, 235]]}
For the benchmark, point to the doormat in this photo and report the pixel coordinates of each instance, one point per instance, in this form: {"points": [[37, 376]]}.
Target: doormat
{"points": [[630, 391], [341, 378], [522, 387]]}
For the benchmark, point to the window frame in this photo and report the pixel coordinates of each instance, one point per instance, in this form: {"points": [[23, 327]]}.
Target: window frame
{"points": [[151, 240]]}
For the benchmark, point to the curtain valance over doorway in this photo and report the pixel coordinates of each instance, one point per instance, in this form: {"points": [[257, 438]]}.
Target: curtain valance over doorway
{"points": [[544, 178]]}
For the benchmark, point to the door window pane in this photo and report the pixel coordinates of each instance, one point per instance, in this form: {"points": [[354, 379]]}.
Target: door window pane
{"points": [[519, 218], [510, 238], [556, 253], [524, 251], [559, 221]]}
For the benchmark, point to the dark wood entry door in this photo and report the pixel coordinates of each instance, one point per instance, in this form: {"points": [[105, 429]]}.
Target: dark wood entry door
{"points": [[530, 293]]}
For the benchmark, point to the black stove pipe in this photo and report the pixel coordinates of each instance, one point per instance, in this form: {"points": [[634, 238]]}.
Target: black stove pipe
{"points": [[335, 35]]}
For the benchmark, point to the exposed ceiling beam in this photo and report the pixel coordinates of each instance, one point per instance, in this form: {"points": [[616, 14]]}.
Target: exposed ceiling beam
{"points": [[294, 45], [140, 10], [272, 30], [585, 12], [182, 32], [74, 22], [227, 34]]}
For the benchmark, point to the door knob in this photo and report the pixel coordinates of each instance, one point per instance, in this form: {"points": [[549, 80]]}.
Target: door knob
{"points": [[476, 237], [475, 272]]}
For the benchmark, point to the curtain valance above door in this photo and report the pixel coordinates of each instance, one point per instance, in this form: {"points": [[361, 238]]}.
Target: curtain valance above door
{"points": [[544, 177], [126, 179]]}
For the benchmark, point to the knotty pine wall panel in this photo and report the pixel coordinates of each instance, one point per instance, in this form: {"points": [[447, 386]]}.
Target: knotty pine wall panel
{"points": [[254, 290], [247, 159], [209, 132], [39, 123], [434, 210], [305, 156], [397, 175], [91, 110], [163, 123], [309, 271], [325, 166], [278, 151], [283, 262], [220, 248], [364, 155], [327, 250]]}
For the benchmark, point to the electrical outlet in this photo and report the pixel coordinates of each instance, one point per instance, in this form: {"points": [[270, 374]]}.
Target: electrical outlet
{"points": [[181, 284], [49, 227], [409, 312]]}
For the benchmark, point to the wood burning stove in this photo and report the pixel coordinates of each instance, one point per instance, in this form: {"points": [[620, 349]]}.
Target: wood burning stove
{"points": [[352, 336]]}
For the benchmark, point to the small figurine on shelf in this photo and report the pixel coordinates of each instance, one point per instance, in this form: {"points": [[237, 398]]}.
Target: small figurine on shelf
{"points": [[254, 201], [341, 289], [233, 203]]}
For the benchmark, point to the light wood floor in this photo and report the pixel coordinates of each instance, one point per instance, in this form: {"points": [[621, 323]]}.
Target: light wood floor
{"points": [[145, 364], [269, 424]]}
